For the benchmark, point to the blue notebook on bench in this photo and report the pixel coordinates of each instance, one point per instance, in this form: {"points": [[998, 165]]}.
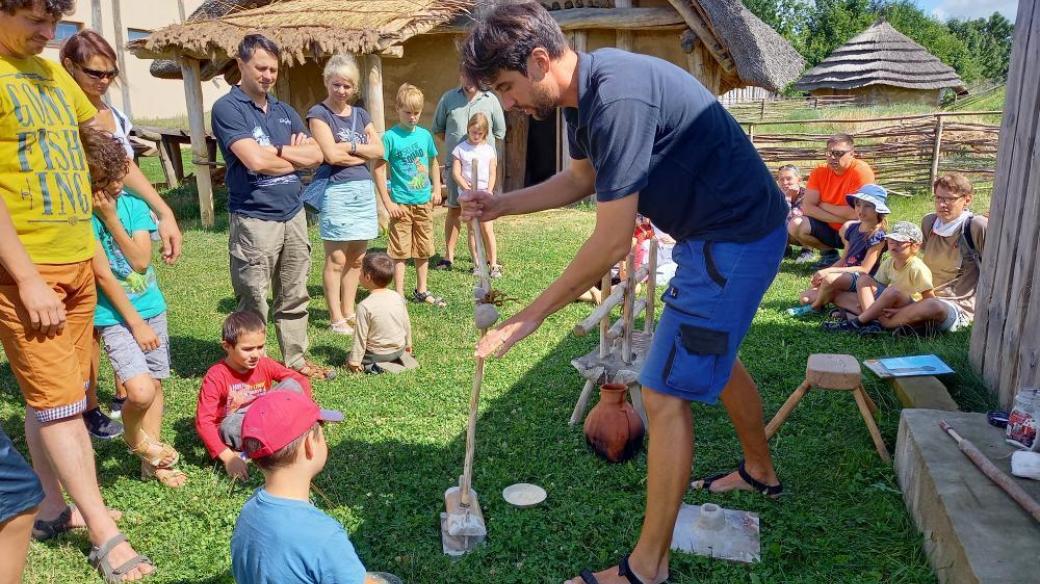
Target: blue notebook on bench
{"points": [[915, 365]]}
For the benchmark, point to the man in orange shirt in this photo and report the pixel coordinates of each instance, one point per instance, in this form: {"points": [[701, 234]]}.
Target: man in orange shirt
{"points": [[824, 206]]}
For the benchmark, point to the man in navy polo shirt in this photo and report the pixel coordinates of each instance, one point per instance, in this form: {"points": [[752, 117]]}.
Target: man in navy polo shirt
{"points": [[265, 142], [646, 137]]}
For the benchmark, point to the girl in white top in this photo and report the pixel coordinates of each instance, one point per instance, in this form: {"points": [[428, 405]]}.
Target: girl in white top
{"points": [[475, 151]]}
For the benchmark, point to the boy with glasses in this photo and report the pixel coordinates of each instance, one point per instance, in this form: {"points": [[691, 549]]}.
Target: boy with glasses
{"points": [[824, 206], [954, 239]]}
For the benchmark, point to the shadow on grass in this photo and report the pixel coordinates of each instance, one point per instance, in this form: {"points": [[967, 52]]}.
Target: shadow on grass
{"points": [[191, 357]]}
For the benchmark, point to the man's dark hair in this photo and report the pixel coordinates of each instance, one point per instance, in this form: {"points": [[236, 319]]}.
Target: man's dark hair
{"points": [[379, 267], [52, 7], [841, 139], [503, 37], [251, 42], [241, 322]]}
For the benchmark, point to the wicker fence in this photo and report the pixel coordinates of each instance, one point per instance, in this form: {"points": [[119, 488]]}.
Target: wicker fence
{"points": [[906, 152]]}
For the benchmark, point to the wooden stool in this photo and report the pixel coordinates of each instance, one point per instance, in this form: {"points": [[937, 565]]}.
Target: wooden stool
{"points": [[834, 372]]}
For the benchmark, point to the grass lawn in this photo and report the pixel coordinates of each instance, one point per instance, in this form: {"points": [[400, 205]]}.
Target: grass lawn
{"points": [[401, 445]]}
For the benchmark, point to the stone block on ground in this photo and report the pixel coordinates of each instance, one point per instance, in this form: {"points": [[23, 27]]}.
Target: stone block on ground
{"points": [[974, 533], [924, 392]]}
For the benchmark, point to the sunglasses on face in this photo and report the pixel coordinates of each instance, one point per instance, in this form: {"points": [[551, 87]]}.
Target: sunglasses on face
{"points": [[837, 153], [100, 75]]}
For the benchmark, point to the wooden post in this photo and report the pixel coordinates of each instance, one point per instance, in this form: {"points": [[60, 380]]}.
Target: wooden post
{"points": [[651, 287], [1003, 341], [167, 151], [762, 110], [604, 323], [517, 128], [95, 15], [120, 34], [751, 132], [936, 150], [628, 311], [197, 125], [579, 42], [374, 103], [180, 10], [623, 38]]}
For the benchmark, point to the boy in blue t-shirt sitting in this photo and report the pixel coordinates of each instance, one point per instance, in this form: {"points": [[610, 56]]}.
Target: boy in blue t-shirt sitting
{"points": [[131, 312], [415, 189], [280, 537]]}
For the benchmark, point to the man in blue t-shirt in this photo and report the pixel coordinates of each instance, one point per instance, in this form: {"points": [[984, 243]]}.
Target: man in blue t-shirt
{"points": [[663, 147], [265, 143]]}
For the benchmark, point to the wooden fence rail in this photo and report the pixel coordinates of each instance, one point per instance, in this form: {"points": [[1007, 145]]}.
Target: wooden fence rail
{"points": [[907, 153]]}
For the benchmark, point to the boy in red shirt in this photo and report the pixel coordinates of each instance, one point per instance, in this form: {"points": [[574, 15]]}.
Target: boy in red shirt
{"points": [[230, 386]]}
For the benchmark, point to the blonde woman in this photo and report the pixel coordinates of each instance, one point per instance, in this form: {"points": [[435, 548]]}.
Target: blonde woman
{"points": [[348, 140]]}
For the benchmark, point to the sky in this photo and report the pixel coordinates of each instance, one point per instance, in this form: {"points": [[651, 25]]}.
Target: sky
{"points": [[969, 8]]}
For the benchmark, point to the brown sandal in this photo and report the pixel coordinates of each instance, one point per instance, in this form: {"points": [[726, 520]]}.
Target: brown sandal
{"points": [[146, 451]]}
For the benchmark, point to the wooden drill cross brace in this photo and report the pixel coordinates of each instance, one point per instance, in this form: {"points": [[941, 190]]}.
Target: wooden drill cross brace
{"points": [[622, 349]]}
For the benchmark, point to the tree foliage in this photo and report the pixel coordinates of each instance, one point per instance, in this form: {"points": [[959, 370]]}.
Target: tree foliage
{"points": [[977, 49]]}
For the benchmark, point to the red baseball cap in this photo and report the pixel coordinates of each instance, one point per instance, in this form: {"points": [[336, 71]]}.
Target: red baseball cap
{"points": [[277, 418]]}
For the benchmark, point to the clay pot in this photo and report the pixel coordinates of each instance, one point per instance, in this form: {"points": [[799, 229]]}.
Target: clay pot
{"points": [[613, 428]]}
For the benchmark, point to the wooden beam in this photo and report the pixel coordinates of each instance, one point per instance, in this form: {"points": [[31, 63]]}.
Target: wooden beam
{"points": [[572, 19], [373, 95], [199, 151], [623, 38], [120, 34], [703, 31]]}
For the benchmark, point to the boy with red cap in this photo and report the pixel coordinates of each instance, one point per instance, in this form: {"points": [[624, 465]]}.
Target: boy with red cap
{"points": [[280, 537]]}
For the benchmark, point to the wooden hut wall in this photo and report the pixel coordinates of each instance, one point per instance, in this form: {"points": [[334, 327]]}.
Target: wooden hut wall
{"points": [[885, 95], [1005, 341]]}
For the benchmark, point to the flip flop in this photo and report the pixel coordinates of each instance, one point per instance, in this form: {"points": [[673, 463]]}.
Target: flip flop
{"points": [[771, 491], [624, 570]]}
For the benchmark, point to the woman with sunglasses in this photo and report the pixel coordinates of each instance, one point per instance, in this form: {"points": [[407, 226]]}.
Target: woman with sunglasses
{"points": [[90, 60]]}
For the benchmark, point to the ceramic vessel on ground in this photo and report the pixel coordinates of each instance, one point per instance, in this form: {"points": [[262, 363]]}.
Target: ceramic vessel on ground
{"points": [[613, 428]]}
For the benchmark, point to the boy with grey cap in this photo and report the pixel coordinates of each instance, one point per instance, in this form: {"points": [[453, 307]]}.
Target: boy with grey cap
{"points": [[902, 279]]}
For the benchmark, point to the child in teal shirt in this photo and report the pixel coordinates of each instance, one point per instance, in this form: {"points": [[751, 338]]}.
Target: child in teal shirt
{"points": [[415, 188], [131, 312]]}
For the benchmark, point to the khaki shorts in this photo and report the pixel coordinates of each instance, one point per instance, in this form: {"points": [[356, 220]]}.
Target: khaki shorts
{"points": [[411, 236], [53, 372]]}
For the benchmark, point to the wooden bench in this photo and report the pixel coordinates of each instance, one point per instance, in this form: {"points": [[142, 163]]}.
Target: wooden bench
{"points": [[168, 145]]}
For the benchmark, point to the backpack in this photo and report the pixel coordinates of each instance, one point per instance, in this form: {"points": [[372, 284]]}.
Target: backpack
{"points": [[966, 245]]}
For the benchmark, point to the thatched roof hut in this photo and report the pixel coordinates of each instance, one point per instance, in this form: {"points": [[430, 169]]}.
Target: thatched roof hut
{"points": [[882, 65], [718, 41]]}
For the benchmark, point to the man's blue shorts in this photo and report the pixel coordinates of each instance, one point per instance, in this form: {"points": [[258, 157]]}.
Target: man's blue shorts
{"points": [[20, 490], [709, 305]]}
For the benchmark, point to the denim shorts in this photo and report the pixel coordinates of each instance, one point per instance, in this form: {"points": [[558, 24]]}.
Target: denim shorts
{"points": [[349, 212], [20, 490], [126, 356], [708, 308]]}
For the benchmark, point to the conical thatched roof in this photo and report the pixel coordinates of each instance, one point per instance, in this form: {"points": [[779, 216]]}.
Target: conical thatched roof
{"points": [[881, 55]]}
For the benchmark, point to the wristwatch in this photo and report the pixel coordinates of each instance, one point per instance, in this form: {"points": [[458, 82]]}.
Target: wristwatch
{"points": [[353, 147], [279, 150]]}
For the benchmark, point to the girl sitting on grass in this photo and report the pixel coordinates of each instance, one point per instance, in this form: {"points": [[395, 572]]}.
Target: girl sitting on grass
{"points": [[864, 244]]}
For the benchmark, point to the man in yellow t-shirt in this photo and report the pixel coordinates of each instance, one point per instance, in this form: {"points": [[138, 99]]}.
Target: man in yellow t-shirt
{"points": [[902, 279], [47, 294]]}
